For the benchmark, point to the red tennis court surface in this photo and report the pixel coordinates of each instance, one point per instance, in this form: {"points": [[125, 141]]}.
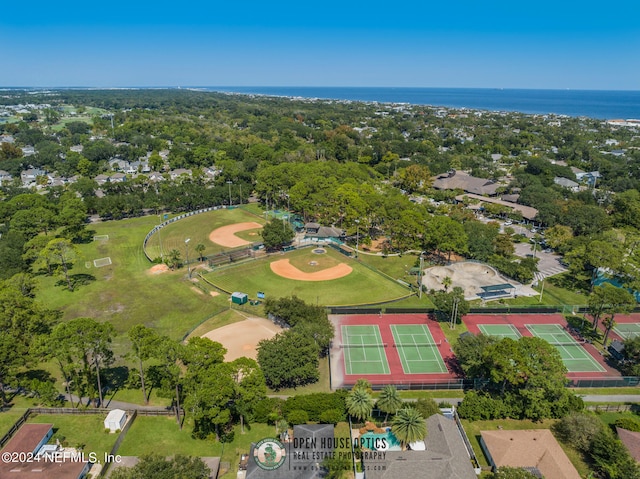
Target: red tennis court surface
{"points": [[397, 375], [520, 320]]}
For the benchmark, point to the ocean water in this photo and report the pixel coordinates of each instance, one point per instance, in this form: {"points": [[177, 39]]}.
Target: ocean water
{"points": [[602, 104]]}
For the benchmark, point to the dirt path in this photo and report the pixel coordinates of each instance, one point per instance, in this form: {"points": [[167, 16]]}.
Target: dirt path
{"points": [[226, 235], [287, 270]]}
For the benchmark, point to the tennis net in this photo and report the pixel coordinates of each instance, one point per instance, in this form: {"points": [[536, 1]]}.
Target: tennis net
{"points": [[420, 345], [379, 345]]}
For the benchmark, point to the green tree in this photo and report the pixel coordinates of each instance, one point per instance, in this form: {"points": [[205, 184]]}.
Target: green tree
{"points": [[144, 341], [159, 467], [289, 359], [250, 388], [277, 233], [200, 248], [578, 429], [389, 401], [409, 426], [62, 252], [359, 403], [445, 304], [469, 349], [505, 472], [173, 260]]}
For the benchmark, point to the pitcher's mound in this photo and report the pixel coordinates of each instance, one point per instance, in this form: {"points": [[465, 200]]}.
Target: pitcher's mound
{"points": [[158, 269]]}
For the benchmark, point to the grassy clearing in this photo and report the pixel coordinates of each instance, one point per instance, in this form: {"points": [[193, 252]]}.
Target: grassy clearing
{"points": [[606, 391], [125, 293], [168, 440], [361, 286], [86, 431], [395, 266], [198, 228]]}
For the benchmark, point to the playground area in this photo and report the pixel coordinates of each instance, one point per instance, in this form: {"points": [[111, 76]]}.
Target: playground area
{"points": [[405, 350], [478, 280], [580, 357]]}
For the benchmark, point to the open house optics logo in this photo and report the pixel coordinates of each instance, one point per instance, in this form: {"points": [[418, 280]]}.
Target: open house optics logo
{"points": [[269, 454]]}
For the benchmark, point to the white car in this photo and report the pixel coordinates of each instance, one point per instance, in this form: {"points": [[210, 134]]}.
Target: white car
{"points": [[508, 223]]}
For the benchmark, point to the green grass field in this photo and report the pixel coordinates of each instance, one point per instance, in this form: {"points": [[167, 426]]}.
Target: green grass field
{"points": [[361, 286], [86, 431], [198, 228], [125, 292]]}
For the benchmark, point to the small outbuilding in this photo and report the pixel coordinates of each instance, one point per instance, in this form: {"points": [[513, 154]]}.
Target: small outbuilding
{"points": [[239, 298], [115, 420]]}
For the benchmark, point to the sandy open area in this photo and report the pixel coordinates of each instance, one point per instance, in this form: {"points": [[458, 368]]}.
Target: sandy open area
{"points": [[158, 269], [241, 338], [469, 276], [226, 235], [287, 270]]}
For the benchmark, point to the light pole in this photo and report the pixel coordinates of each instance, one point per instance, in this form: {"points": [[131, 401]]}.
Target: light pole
{"points": [[186, 243], [357, 236], [229, 183]]}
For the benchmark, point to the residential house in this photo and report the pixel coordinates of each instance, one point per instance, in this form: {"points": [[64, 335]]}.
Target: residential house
{"points": [[5, 178], [118, 178], [53, 461], [29, 176], [178, 172], [566, 183], [445, 456], [631, 441], [536, 449], [101, 179], [460, 180], [590, 177], [6, 139], [28, 150], [527, 212], [77, 148]]}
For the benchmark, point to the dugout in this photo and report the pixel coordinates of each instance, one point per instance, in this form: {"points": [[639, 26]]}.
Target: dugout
{"points": [[239, 298]]}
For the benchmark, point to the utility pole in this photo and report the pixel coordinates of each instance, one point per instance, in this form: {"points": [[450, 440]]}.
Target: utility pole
{"points": [[541, 291], [420, 276], [186, 243], [454, 313], [229, 183], [357, 236]]}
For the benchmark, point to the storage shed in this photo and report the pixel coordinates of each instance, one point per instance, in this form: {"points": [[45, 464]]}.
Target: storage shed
{"points": [[239, 298], [115, 420]]}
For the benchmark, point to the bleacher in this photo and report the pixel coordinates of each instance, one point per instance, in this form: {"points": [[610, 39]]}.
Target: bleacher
{"points": [[496, 291]]}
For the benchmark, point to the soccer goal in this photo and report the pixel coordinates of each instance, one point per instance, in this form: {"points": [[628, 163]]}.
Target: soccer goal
{"points": [[99, 263], [100, 237]]}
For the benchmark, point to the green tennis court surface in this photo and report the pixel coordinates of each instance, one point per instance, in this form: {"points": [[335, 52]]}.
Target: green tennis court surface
{"points": [[627, 330], [500, 331], [417, 350], [363, 350], [574, 356]]}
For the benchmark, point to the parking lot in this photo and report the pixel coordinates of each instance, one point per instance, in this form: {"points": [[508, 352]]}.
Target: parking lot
{"points": [[548, 264]]}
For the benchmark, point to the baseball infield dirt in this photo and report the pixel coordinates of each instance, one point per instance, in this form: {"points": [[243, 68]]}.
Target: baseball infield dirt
{"points": [[287, 270], [226, 235], [242, 338]]}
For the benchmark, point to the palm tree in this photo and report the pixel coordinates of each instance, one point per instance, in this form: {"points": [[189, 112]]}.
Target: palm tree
{"points": [[200, 249], [408, 426], [359, 403], [609, 323], [389, 401], [446, 282]]}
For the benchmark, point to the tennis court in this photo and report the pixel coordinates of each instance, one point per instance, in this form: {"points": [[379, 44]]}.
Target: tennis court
{"points": [[364, 350], [500, 331], [574, 356], [417, 349], [627, 330]]}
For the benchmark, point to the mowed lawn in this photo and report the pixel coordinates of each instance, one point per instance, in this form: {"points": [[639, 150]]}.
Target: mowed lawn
{"points": [[86, 431], [361, 286], [197, 228], [161, 435], [125, 292]]}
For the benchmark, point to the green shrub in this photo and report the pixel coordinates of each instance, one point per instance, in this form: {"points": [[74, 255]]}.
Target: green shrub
{"points": [[628, 423], [298, 416]]}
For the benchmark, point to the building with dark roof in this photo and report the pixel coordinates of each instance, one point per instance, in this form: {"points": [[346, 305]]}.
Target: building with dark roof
{"points": [[29, 440], [445, 457], [631, 441], [459, 180]]}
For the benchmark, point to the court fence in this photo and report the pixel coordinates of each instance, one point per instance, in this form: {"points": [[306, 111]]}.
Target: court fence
{"points": [[479, 383]]}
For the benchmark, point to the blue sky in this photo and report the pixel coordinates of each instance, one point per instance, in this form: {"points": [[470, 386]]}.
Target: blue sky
{"points": [[492, 44]]}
